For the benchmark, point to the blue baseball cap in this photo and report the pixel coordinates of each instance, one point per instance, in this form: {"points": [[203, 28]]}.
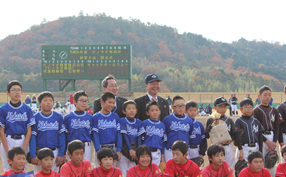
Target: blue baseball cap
{"points": [[151, 77]]}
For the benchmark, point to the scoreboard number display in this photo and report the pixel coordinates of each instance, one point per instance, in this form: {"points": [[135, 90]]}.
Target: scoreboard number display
{"points": [[86, 61]]}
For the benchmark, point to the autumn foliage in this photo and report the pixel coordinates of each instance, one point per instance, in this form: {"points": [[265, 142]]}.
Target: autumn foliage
{"points": [[185, 62]]}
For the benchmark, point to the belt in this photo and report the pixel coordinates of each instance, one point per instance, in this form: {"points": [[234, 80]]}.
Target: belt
{"points": [[15, 137], [224, 144], [250, 144], [267, 132], [193, 146], [153, 149], [87, 143], [107, 145]]}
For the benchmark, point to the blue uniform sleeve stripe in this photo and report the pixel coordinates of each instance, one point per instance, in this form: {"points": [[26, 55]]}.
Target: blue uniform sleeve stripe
{"points": [[34, 133], [61, 131], [2, 125], [141, 132], [95, 129], [203, 136], [31, 123], [123, 131]]}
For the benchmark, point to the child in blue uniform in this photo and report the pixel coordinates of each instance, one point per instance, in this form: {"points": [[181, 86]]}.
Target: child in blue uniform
{"points": [[130, 130], [178, 126], [16, 120], [49, 131], [106, 128], [78, 124], [198, 142], [154, 133]]}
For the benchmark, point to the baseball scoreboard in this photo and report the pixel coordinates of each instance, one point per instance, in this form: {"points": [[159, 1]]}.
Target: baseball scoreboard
{"points": [[86, 61]]}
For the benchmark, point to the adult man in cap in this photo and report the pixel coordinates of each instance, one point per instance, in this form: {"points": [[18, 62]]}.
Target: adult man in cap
{"points": [[109, 84], [152, 86]]}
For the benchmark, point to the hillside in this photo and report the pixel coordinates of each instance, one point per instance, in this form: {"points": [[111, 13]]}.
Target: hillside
{"points": [[185, 62]]}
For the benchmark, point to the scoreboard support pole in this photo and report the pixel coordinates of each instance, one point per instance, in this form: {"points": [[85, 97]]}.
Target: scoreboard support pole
{"points": [[100, 85], [45, 84], [64, 83]]}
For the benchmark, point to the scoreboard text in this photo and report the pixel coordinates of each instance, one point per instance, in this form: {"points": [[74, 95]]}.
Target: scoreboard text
{"points": [[86, 61]]}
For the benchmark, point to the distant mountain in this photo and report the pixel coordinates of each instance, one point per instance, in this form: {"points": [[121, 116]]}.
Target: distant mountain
{"points": [[185, 62]]}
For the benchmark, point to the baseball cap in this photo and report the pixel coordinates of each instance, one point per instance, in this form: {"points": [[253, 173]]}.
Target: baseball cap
{"points": [[220, 101], [151, 77]]}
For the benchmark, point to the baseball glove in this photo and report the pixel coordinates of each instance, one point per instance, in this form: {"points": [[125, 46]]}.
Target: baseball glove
{"points": [[162, 166], [271, 159], [28, 158], [126, 153], [240, 164], [198, 160]]}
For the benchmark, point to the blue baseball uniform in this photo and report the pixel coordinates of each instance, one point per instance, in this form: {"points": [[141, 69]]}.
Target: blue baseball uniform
{"points": [[78, 125], [107, 128], [49, 131], [154, 134], [130, 130], [154, 137], [198, 142], [15, 120], [106, 131], [177, 128]]}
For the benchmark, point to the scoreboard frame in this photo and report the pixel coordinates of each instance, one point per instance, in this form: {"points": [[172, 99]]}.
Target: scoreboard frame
{"points": [[85, 62]]}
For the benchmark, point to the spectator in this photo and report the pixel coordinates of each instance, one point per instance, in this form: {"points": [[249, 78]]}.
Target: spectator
{"points": [[234, 101], [257, 101], [229, 102], [57, 104], [201, 111], [28, 100], [208, 110], [248, 96], [88, 109], [271, 101], [170, 103], [34, 101]]}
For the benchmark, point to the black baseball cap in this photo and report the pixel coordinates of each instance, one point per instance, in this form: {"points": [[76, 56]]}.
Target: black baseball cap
{"points": [[151, 77], [220, 101]]}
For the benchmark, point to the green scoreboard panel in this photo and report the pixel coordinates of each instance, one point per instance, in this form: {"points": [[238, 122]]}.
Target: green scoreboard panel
{"points": [[86, 61]]}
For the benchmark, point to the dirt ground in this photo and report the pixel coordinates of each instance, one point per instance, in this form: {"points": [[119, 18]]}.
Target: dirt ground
{"points": [[202, 119]]}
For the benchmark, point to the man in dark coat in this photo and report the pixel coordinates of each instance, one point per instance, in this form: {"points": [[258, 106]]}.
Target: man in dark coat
{"points": [[109, 84], [152, 86]]}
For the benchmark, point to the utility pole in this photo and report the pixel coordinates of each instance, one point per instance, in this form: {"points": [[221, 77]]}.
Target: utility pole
{"points": [[248, 70]]}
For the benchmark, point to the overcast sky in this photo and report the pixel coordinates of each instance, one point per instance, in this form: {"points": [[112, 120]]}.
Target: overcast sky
{"points": [[219, 20]]}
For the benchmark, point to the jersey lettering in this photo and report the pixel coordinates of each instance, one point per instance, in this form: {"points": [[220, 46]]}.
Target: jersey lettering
{"points": [[151, 131], [177, 126], [77, 123], [104, 124], [255, 128], [13, 117], [228, 127], [197, 130], [131, 131], [272, 117], [45, 125]]}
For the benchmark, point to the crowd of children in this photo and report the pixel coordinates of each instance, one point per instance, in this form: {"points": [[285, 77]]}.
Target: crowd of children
{"points": [[127, 146]]}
